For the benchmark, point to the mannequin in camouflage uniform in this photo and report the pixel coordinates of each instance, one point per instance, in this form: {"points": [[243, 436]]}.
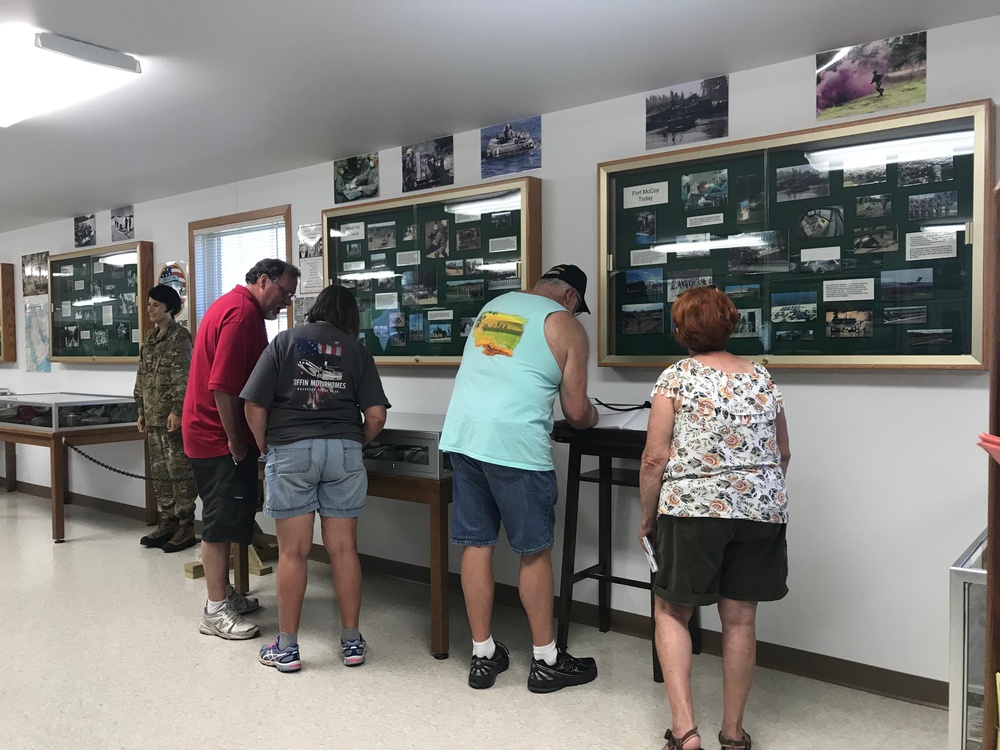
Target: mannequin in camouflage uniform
{"points": [[164, 361]]}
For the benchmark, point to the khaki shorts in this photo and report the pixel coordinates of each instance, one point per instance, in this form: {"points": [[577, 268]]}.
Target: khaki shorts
{"points": [[702, 559]]}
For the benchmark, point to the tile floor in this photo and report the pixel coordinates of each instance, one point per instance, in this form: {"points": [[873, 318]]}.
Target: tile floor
{"points": [[103, 650]]}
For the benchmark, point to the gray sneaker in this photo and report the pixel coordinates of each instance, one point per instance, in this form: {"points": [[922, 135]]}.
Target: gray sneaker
{"points": [[227, 624], [240, 604]]}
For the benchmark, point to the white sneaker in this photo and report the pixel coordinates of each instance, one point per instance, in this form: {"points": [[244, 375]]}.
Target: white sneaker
{"points": [[240, 604], [228, 624]]}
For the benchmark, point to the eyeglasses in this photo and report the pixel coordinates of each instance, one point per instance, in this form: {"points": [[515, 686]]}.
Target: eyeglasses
{"points": [[289, 296]]}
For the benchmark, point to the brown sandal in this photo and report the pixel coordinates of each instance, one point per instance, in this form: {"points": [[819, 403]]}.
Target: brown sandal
{"points": [[677, 743], [728, 744]]}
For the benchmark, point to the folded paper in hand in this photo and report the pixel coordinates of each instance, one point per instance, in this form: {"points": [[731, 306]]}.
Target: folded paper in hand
{"points": [[634, 419], [990, 444]]}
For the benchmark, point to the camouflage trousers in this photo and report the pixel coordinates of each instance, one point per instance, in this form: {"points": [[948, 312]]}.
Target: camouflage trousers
{"points": [[173, 484]]}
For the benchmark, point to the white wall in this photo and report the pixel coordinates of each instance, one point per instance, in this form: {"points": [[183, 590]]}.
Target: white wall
{"points": [[887, 486]]}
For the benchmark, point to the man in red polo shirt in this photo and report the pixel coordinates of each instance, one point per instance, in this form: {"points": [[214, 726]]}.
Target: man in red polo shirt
{"points": [[231, 337]]}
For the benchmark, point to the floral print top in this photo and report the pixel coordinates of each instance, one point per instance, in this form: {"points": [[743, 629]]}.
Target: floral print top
{"points": [[724, 460]]}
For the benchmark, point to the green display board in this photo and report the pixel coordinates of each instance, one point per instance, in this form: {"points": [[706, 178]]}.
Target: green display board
{"points": [[423, 268], [98, 303], [859, 245]]}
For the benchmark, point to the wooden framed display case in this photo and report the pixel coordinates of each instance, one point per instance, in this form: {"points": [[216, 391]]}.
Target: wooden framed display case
{"points": [[860, 245], [423, 267], [8, 349], [98, 302]]}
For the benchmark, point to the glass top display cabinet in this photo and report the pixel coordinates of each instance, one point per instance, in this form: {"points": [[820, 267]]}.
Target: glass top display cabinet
{"points": [[8, 348], [967, 660], [98, 303], [861, 245], [424, 266], [410, 447], [47, 412]]}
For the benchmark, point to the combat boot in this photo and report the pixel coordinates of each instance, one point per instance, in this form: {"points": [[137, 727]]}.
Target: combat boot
{"points": [[164, 530], [184, 536]]}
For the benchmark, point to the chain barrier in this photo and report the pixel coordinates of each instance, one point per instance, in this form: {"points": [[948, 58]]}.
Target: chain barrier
{"points": [[119, 471]]}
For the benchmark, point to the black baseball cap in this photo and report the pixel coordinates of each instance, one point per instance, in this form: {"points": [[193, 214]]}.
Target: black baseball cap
{"points": [[573, 276]]}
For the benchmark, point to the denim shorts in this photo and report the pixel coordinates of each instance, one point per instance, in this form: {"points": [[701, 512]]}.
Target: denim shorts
{"points": [[484, 494], [315, 475]]}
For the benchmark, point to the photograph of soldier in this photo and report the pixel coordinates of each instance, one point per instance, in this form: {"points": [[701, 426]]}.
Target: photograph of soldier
{"points": [[440, 332], [849, 324], [35, 274], [705, 189], [382, 236], [929, 336], [416, 327], [355, 178], [468, 239], [820, 222], [387, 284], [793, 307], [101, 339], [871, 77], [352, 250], [645, 228], [644, 283], [410, 233], [473, 266], [465, 326], [436, 238], [122, 224], [907, 284], [454, 268], [429, 164], [933, 205], [877, 239], [131, 276], [748, 326], [687, 112], [642, 318], [127, 302], [71, 337], [793, 335], [510, 147], [124, 332], [801, 182], [765, 252], [681, 281], [873, 206], [894, 316], [84, 231], [864, 176], [501, 220], [465, 291], [926, 171], [750, 199], [742, 291]]}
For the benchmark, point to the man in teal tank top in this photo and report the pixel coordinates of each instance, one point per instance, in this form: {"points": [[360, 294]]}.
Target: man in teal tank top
{"points": [[524, 350]]}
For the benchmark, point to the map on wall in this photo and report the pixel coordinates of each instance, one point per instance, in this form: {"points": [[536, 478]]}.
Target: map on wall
{"points": [[36, 334]]}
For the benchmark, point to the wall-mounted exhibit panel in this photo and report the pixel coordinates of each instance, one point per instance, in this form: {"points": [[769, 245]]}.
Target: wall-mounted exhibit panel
{"points": [[98, 303], [423, 267], [858, 245]]}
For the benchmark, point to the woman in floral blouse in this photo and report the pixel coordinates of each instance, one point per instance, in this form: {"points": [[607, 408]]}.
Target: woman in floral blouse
{"points": [[712, 484]]}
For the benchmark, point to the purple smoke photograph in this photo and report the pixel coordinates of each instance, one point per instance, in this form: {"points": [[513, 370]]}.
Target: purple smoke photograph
{"points": [[884, 74]]}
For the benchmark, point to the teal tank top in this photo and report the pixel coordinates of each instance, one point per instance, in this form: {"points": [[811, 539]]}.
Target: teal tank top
{"points": [[501, 407]]}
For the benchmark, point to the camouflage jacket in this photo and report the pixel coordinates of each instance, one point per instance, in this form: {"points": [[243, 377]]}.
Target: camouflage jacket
{"points": [[164, 362]]}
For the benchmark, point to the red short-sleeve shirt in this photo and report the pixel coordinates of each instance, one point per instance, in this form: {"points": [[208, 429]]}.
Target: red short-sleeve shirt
{"points": [[229, 342]]}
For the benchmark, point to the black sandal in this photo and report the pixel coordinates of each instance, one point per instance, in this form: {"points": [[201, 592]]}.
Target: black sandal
{"points": [[728, 744], [677, 743]]}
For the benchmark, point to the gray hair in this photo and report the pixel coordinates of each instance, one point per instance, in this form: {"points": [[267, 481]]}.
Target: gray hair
{"points": [[273, 268]]}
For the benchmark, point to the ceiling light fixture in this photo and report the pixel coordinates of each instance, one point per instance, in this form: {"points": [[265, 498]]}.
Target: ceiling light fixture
{"points": [[54, 72]]}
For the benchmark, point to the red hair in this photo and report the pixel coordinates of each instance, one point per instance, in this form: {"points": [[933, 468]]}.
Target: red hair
{"points": [[704, 319]]}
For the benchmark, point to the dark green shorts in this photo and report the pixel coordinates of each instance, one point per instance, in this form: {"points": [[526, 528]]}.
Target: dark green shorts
{"points": [[702, 559]]}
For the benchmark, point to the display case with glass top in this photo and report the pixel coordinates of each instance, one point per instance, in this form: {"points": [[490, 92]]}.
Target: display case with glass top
{"points": [[968, 647], [410, 447], [66, 411]]}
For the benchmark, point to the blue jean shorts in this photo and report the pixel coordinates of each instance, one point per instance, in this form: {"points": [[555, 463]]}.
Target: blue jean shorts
{"points": [[485, 494], [315, 475]]}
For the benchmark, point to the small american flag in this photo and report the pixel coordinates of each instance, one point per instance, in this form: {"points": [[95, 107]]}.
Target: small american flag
{"points": [[311, 348]]}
